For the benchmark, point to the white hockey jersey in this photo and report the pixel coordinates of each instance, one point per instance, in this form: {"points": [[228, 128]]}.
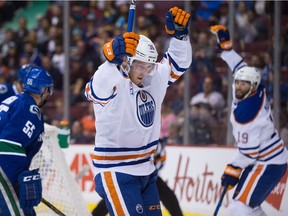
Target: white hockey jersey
{"points": [[253, 127], [128, 117]]}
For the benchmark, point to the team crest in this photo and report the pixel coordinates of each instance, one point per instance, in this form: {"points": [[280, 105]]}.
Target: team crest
{"points": [[35, 110], [146, 108], [139, 208]]}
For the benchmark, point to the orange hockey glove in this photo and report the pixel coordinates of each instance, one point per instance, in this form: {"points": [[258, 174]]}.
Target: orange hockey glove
{"points": [[223, 37], [230, 176], [176, 24], [123, 45]]}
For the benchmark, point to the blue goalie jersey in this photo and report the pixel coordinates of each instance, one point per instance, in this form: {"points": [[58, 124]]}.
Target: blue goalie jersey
{"points": [[21, 132]]}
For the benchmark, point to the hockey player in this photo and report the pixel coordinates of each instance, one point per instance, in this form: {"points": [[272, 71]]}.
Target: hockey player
{"points": [[261, 158], [7, 89], [166, 195], [127, 91], [21, 136]]}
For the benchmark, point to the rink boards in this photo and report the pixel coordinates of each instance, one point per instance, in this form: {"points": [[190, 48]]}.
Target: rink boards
{"points": [[192, 172]]}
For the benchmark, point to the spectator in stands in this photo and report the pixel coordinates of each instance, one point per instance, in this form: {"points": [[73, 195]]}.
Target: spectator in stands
{"points": [[214, 98], [77, 136], [55, 15], [22, 30], [204, 127], [58, 57], [167, 118], [42, 29], [150, 15], [206, 9], [88, 123], [177, 103], [11, 62], [9, 37], [267, 75], [54, 72], [222, 14], [245, 28], [32, 53]]}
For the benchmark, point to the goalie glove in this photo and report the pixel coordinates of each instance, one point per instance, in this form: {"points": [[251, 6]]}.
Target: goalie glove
{"points": [[123, 45], [176, 23], [30, 189], [223, 37], [230, 176]]}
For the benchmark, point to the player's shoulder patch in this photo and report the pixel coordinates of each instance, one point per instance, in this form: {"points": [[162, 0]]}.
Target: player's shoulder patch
{"points": [[248, 109], [35, 110]]}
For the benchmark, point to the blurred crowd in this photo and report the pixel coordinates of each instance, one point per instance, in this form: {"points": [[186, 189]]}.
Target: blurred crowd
{"points": [[93, 23]]}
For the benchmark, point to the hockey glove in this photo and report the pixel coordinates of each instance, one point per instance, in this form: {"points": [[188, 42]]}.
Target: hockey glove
{"points": [[30, 189], [177, 22], [223, 37], [123, 45], [230, 176]]}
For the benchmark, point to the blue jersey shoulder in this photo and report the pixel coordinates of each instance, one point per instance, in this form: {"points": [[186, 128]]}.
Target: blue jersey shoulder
{"points": [[248, 109], [6, 90]]}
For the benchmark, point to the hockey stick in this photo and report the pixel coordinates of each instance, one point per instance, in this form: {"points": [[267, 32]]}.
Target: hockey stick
{"points": [[52, 207], [82, 172], [131, 15], [220, 200]]}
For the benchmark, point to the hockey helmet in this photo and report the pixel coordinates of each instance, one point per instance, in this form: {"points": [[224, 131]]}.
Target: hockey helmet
{"points": [[37, 80], [145, 52], [249, 74], [22, 71]]}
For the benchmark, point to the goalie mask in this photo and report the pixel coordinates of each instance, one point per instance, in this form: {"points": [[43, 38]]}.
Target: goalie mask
{"points": [[145, 52], [248, 74]]}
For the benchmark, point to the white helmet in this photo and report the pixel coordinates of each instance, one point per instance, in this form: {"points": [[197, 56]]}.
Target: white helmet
{"points": [[250, 74], [145, 52]]}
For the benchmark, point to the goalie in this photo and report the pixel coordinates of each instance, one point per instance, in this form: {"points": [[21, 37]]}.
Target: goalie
{"points": [[21, 136], [261, 158], [127, 91]]}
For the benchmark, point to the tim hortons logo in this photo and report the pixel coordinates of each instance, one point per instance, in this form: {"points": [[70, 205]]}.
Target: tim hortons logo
{"points": [[201, 189], [276, 196]]}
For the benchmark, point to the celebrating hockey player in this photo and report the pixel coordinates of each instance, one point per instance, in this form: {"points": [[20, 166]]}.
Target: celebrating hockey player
{"points": [[127, 91], [261, 158], [21, 136]]}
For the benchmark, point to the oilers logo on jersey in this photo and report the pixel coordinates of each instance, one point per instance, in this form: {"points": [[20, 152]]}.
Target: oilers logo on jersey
{"points": [[146, 106]]}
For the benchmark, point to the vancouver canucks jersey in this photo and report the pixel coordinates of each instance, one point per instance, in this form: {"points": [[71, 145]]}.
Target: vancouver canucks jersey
{"points": [[21, 132], [7, 90], [253, 126], [127, 116]]}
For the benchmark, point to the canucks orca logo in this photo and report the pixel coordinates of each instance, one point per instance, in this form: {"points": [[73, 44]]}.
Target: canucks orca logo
{"points": [[3, 89], [35, 109], [145, 108]]}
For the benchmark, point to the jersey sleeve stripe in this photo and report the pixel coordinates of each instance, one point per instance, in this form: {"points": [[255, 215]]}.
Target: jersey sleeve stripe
{"points": [[98, 165], [175, 65], [123, 157], [91, 96], [10, 147], [101, 149]]}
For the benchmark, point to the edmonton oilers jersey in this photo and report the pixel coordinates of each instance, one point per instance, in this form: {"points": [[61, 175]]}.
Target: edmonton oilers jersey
{"points": [[127, 116], [254, 130], [21, 132]]}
